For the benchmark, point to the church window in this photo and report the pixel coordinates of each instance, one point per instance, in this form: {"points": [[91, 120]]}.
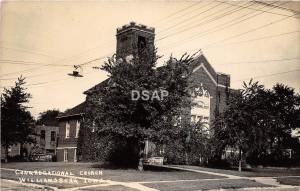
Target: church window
{"points": [[43, 134], [200, 112], [77, 129], [65, 155], [141, 43], [67, 129], [53, 135]]}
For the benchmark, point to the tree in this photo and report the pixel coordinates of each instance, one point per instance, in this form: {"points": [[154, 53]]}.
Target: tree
{"points": [[197, 143], [48, 118], [16, 120], [150, 118], [258, 121], [237, 127], [285, 107]]}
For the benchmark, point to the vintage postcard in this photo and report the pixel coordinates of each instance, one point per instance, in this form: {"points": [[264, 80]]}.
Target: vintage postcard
{"points": [[150, 95]]}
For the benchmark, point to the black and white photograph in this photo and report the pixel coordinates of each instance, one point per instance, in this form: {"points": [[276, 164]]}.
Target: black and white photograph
{"points": [[150, 95]]}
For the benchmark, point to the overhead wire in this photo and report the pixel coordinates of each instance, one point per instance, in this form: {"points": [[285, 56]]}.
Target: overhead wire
{"points": [[259, 61], [191, 18], [34, 68], [30, 63], [201, 23], [219, 28], [181, 15], [175, 13], [26, 51], [71, 56], [225, 2], [276, 6], [268, 75], [249, 31], [98, 58], [256, 39]]}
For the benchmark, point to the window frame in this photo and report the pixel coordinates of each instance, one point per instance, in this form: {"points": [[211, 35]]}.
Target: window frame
{"points": [[77, 129], [43, 134], [68, 128], [65, 155], [54, 135]]}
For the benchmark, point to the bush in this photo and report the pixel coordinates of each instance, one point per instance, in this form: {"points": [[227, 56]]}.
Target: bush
{"points": [[279, 158], [17, 158], [218, 163], [124, 153], [174, 153]]}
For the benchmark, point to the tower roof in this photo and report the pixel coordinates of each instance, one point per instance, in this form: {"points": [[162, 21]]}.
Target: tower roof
{"points": [[134, 26]]}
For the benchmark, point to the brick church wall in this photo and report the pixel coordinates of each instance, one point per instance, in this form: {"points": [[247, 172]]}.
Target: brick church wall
{"points": [[217, 93]]}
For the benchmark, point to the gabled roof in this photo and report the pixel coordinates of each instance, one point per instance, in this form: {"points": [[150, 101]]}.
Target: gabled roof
{"points": [[97, 87], [220, 79], [77, 110], [201, 59]]}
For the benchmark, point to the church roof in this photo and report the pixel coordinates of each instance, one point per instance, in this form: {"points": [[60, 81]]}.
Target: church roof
{"points": [[78, 110], [219, 78], [202, 59], [97, 87]]}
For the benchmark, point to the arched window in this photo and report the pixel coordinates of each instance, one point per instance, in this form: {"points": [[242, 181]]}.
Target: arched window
{"points": [[200, 111]]}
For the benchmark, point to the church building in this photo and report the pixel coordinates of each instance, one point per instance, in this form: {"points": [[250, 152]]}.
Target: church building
{"points": [[131, 39]]}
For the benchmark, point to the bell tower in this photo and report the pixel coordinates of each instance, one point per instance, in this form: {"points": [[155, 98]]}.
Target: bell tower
{"points": [[132, 39]]}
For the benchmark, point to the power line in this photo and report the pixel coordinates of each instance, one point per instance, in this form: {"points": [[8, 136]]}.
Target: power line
{"points": [[261, 76], [192, 17], [7, 79], [34, 68], [38, 63], [26, 51], [29, 63], [184, 26], [42, 74], [260, 61], [176, 12], [252, 30], [256, 9], [26, 70], [276, 6], [25, 63], [255, 39], [31, 52], [268, 75], [39, 83], [45, 82], [223, 26], [180, 16], [62, 79], [204, 22], [87, 63]]}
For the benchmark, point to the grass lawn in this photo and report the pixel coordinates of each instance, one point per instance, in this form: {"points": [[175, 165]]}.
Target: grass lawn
{"points": [[109, 188], [151, 177], [10, 175], [295, 181], [8, 186], [108, 173], [205, 185], [255, 172]]}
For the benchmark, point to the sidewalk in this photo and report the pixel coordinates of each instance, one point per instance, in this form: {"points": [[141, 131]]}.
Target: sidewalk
{"points": [[271, 181]]}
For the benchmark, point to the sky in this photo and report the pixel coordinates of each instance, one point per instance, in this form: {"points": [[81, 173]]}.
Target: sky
{"points": [[42, 40]]}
